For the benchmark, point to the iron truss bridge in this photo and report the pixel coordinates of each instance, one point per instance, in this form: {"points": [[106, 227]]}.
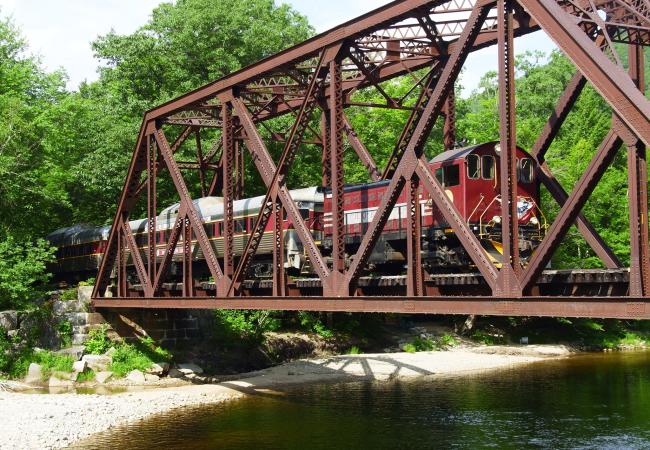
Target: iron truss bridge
{"points": [[426, 42]]}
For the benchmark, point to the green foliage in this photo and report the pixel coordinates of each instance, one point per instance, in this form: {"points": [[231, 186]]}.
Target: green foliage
{"points": [[51, 362], [23, 276], [139, 356], [68, 295], [64, 328], [98, 341], [246, 325], [313, 323], [419, 344], [86, 375], [88, 282], [354, 350], [447, 340], [486, 338]]}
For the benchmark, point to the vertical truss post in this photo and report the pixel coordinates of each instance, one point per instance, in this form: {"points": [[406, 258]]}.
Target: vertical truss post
{"points": [[240, 171], [152, 167], [279, 278], [188, 279], [638, 193], [508, 159], [121, 265], [336, 166], [449, 130], [415, 282], [228, 151], [201, 162], [325, 161]]}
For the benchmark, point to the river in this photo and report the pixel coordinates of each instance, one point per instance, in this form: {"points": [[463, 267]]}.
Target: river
{"points": [[587, 401]]}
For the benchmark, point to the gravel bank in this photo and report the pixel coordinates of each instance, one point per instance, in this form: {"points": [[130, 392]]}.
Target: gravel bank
{"points": [[32, 421]]}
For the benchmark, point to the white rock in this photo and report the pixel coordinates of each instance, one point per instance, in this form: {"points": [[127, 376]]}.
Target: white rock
{"points": [[98, 363], [159, 368], [110, 352], [58, 382], [79, 366], [136, 377], [189, 368], [103, 377], [151, 378], [34, 373], [76, 351]]}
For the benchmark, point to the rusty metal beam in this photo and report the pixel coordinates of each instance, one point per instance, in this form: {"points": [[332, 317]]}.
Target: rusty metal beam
{"points": [[590, 307], [567, 215], [608, 79]]}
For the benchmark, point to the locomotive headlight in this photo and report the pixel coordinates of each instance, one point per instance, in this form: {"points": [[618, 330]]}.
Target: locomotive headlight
{"points": [[534, 220], [497, 219]]}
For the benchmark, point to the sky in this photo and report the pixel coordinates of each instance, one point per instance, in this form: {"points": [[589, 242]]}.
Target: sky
{"points": [[60, 31]]}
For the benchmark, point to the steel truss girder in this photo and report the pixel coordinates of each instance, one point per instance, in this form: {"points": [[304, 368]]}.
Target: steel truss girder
{"points": [[397, 39]]}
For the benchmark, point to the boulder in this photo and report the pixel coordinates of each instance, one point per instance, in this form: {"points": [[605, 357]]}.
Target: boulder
{"points": [[103, 377], [79, 366], [158, 369], [79, 339], [136, 377], [110, 352], [76, 351], [57, 382], [151, 378], [84, 293], [34, 373], [175, 373], [97, 363], [189, 369], [9, 320]]}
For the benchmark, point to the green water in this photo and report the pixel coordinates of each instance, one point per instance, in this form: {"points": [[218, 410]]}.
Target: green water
{"points": [[592, 401]]}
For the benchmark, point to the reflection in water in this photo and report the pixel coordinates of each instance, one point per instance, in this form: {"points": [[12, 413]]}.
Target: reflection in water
{"points": [[595, 401]]}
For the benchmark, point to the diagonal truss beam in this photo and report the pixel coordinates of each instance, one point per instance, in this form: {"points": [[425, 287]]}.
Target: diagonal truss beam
{"points": [[567, 215], [610, 80], [192, 214]]}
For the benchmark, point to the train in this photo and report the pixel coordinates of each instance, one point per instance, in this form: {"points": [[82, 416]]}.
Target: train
{"points": [[468, 175]]}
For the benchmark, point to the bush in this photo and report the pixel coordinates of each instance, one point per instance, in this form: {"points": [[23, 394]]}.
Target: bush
{"points": [[64, 328], [447, 340], [68, 295], [139, 356], [419, 344], [354, 350], [23, 272], [248, 325], [312, 322], [98, 341], [51, 362]]}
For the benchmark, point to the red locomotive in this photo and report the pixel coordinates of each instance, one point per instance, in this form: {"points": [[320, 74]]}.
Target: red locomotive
{"points": [[468, 175]]}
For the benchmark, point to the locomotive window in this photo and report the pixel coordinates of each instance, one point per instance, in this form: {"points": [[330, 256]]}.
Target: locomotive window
{"points": [[526, 170], [304, 213], [448, 176], [473, 167], [487, 166], [452, 176]]}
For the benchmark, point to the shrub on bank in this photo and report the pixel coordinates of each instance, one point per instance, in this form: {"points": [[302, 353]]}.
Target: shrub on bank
{"points": [[138, 356]]}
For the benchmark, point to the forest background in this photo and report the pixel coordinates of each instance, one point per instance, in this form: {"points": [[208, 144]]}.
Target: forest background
{"points": [[64, 154]]}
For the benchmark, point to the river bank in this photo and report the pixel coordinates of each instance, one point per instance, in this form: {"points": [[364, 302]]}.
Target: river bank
{"points": [[56, 421]]}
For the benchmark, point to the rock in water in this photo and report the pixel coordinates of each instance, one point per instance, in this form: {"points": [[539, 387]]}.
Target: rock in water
{"points": [[34, 374], [151, 378], [103, 377], [136, 377], [175, 373], [9, 320], [189, 368], [98, 363], [58, 382]]}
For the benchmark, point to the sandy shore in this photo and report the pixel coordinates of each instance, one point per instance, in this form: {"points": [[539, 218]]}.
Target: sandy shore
{"points": [[31, 421]]}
